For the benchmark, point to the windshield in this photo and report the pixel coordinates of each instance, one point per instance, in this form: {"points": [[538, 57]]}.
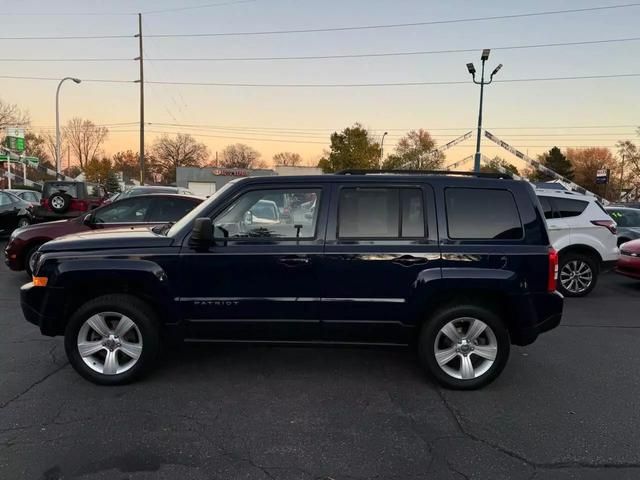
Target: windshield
{"points": [[196, 212]]}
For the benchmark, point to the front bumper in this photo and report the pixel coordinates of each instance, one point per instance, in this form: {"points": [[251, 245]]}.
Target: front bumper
{"points": [[12, 257], [44, 307]]}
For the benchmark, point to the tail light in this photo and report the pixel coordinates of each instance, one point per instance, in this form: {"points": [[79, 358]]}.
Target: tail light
{"points": [[553, 270], [608, 224], [79, 205]]}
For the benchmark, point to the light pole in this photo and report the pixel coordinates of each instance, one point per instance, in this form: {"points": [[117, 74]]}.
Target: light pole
{"points": [[382, 149], [75, 80], [472, 70]]}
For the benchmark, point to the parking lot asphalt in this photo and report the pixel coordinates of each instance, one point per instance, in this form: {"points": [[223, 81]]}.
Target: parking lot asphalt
{"points": [[565, 407]]}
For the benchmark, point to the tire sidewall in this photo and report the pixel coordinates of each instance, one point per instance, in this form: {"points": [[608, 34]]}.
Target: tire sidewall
{"points": [[133, 308], [426, 346], [564, 259]]}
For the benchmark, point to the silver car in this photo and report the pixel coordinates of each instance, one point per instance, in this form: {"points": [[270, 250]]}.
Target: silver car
{"points": [[628, 220]]}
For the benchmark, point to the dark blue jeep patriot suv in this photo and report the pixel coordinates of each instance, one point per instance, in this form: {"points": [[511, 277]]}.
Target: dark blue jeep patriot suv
{"points": [[458, 265]]}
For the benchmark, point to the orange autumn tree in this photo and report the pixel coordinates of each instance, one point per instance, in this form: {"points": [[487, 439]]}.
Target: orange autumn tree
{"points": [[587, 161]]}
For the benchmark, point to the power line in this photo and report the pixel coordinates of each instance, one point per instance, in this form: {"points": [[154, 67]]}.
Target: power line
{"points": [[333, 85], [387, 84], [328, 57], [57, 79], [397, 25], [194, 7], [71, 37]]}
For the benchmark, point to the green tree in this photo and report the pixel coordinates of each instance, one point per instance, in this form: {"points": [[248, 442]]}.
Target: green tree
{"points": [[556, 161], [97, 170], [112, 184], [492, 166], [353, 148], [127, 162], [416, 151]]}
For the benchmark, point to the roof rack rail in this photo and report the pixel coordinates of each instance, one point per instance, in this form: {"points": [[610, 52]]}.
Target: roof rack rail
{"points": [[425, 172]]}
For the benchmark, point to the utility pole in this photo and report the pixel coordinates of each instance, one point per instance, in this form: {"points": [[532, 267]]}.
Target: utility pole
{"points": [[141, 81]]}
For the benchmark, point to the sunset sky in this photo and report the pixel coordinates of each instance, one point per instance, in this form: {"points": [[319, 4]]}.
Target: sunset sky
{"points": [[531, 115]]}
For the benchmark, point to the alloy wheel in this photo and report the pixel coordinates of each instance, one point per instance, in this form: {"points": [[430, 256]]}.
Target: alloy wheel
{"points": [[576, 276], [23, 222], [465, 348], [109, 343], [57, 202]]}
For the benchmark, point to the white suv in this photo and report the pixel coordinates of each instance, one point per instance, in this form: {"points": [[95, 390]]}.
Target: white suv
{"points": [[583, 234]]}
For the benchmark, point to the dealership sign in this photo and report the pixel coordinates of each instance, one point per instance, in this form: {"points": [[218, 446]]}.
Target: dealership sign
{"points": [[231, 172], [602, 176]]}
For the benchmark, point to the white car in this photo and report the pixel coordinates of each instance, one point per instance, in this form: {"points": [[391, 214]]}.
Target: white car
{"points": [[583, 234]]}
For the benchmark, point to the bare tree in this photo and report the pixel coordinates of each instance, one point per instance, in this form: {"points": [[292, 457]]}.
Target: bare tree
{"points": [[84, 138], [11, 115], [241, 156], [287, 159], [180, 151]]}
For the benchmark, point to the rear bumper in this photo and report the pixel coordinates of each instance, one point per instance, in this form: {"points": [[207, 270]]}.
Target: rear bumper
{"points": [[44, 307], [41, 214], [536, 313]]}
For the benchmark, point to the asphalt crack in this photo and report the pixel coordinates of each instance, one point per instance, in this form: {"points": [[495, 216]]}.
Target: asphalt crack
{"points": [[516, 456], [34, 384]]}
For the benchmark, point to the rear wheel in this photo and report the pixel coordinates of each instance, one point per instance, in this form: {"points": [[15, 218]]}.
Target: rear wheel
{"points": [[23, 222], [464, 347], [112, 340], [577, 275]]}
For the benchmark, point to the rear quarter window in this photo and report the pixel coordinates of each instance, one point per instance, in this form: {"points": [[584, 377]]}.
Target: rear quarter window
{"points": [[567, 207], [482, 214]]}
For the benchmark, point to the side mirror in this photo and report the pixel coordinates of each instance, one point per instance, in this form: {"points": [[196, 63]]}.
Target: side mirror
{"points": [[202, 233], [88, 219], [248, 218]]}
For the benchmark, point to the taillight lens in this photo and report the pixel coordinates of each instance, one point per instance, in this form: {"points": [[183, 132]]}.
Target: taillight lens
{"points": [[553, 270], [608, 224]]}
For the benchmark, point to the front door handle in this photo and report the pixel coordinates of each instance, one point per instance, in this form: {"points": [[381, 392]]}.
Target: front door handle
{"points": [[295, 260], [408, 260]]}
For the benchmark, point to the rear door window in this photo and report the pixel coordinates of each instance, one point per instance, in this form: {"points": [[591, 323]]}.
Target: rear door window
{"points": [[377, 212], [567, 207], [482, 213]]}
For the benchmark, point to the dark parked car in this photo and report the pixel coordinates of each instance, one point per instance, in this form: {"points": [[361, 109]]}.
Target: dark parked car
{"points": [[144, 210], [30, 196], [628, 223], [14, 212], [629, 261], [459, 265], [62, 200]]}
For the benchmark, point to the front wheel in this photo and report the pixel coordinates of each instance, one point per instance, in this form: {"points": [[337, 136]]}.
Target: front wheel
{"points": [[578, 275], [23, 222], [112, 340], [464, 347]]}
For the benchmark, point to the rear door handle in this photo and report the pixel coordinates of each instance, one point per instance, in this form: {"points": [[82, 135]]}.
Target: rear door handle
{"points": [[295, 260], [410, 260]]}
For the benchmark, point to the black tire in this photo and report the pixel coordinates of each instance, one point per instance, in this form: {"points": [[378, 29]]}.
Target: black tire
{"points": [[23, 222], [60, 202], [429, 334], [145, 321], [567, 262], [27, 258]]}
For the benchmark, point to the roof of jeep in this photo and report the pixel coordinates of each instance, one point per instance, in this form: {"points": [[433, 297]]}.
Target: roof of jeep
{"points": [[452, 179]]}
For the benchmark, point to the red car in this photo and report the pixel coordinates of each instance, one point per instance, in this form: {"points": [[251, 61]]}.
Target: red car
{"points": [[629, 260], [148, 210]]}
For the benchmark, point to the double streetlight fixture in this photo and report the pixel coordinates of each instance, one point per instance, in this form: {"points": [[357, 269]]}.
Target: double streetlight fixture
{"points": [[472, 70], [75, 80]]}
